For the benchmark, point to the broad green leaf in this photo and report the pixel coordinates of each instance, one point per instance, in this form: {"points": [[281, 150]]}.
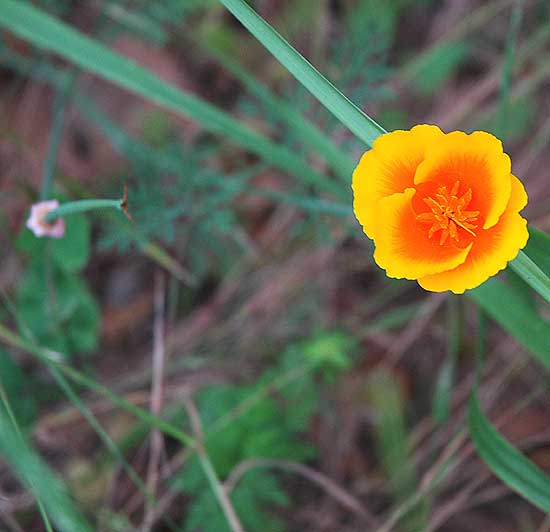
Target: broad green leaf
{"points": [[38, 477], [507, 463], [361, 125], [72, 252], [53, 35], [517, 317], [61, 313]]}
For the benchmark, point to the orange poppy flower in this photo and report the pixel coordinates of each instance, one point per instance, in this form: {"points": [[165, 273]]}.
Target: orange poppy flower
{"points": [[442, 209]]}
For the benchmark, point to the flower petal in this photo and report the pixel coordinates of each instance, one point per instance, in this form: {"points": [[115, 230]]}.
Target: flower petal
{"points": [[37, 224], [478, 162], [491, 251], [403, 247], [387, 168], [518, 196]]}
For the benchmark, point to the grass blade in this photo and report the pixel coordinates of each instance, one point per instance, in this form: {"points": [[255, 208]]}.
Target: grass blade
{"points": [[518, 318], [526, 268], [108, 442], [62, 99], [394, 447], [53, 359], [442, 400], [506, 462], [538, 249], [47, 488], [360, 124], [50, 34], [506, 78], [11, 416]]}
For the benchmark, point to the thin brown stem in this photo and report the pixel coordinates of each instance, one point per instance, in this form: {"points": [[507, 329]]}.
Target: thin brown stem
{"points": [[157, 396], [347, 500]]}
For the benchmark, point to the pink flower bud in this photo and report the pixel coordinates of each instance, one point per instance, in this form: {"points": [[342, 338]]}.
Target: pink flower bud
{"points": [[37, 223]]}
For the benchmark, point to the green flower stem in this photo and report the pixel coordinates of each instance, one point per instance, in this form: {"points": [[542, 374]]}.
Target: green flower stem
{"points": [[73, 207]]}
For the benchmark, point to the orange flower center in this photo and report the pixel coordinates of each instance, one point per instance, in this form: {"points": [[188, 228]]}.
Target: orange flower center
{"points": [[447, 214]]}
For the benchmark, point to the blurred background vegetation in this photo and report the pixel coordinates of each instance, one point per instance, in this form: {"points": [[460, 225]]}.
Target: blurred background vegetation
{"points": [[243, 303]]}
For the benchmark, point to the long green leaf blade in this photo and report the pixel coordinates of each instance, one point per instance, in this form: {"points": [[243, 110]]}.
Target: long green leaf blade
{"points": [[360, 124], [506, 462], [50, 34], [538, 249], [518, 318], [47, 488], [525, 267]]}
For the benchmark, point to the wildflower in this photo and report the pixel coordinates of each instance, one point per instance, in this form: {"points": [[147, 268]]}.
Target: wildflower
{"points": [[442, 209], [37, 220]]}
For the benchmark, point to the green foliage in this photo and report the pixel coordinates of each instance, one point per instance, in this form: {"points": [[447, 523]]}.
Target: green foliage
{"points": [[38, 477], [194, 207], [50, 34], [532, 274], [70, 253], [520, 115], [266, 420], [516, 316], [364, 127], [149, 20], [441, 403], [357, 61], [394, 446], [538, 249], [437, 65], [54, 305], [18, 390], [256, 491], [330, 352], [509, 464]]}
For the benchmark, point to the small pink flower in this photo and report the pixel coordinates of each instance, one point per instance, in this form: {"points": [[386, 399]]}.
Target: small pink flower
{"points": [[37, 224]]}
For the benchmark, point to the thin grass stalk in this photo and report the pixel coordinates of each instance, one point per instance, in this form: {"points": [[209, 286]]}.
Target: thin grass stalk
{"points": [[13, 419], [55, 359], [359, 123], [506, 78], [62, 100]]}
